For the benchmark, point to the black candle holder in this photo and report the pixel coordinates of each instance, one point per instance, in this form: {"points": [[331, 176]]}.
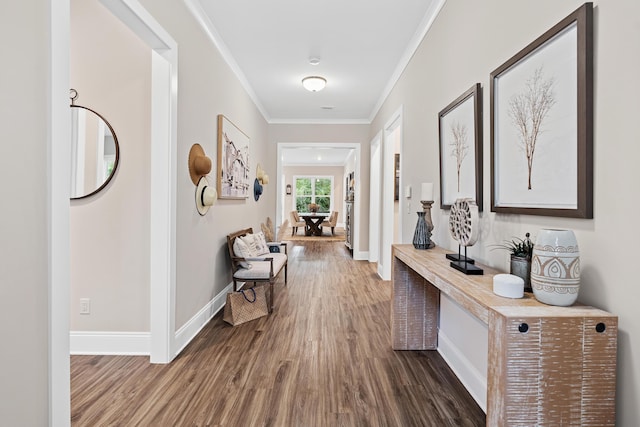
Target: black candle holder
{"points": [[422, 235]]}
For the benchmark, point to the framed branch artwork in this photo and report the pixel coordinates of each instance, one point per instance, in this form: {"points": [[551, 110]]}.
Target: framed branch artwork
{"points": [[460, 136], [542, 124], [233, 161]]}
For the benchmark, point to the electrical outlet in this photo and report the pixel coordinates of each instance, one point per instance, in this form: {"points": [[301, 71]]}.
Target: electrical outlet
{"points": [[85, 306]]}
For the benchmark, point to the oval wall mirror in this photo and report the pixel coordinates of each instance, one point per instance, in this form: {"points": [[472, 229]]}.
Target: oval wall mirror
{"points": [[94, 152]]}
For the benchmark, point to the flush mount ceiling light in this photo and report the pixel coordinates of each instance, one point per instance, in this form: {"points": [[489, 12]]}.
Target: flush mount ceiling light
{"points": [[314, 83]]}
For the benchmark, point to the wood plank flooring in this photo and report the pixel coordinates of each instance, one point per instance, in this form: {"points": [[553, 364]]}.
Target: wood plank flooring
{"points": [[323, 358]]}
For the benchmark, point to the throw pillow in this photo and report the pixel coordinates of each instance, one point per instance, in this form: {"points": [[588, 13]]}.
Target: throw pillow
{"points": [[249, 240], [241, 250], [261, 243]]}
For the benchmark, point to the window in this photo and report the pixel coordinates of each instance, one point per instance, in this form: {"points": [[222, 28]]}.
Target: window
{"points": [[313, 189]]}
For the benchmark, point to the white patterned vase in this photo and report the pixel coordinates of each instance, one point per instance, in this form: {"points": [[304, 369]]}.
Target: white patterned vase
{"points": [[555, 267]]}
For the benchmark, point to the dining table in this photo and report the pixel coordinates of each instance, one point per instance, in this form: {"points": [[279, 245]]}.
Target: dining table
{"points": [[313, 223]]}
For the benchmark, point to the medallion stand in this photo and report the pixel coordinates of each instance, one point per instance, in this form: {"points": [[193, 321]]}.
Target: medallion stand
{"points": [[461, 258], [463, 264]]}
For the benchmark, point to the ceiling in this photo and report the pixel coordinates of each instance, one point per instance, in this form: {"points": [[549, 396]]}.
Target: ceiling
{"points": [[312, 156], [363, 47]]}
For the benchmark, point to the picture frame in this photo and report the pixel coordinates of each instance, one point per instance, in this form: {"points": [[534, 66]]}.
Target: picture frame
{"points": [[460, 147], [542, 124], [234, 180]]}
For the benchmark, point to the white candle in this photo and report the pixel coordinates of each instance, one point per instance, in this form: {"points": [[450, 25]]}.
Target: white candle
{"points": [[427, 191]]}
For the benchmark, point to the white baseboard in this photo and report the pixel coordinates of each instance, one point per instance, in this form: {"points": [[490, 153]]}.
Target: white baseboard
{"points": [[361, 255], [139, 343], [189, 330], [474, 381], [110, 343]]}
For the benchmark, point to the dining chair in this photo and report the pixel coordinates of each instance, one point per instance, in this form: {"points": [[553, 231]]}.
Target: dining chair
{"points": [[296, 222], [331, 221]]}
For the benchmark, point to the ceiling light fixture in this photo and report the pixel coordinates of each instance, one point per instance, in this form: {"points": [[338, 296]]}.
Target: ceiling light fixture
{"points": [[314, 83], [314, 60]]}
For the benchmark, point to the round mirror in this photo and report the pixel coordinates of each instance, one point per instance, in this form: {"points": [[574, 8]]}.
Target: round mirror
{"points": [[94, 152]]}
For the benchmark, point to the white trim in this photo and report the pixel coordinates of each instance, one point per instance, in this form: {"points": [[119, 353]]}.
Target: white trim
{"points": [[57, 205], [361, 255], [315, 165], [395, 123], [200, 15], [189, 330], [136, 17], [473, 380], [139, 343], [375, 180], [319, 122], [164, 137], [110, 343], [162, 224], [424, 27]]}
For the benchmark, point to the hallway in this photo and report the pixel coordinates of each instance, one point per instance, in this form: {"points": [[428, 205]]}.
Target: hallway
{"points": [[323, 358]]}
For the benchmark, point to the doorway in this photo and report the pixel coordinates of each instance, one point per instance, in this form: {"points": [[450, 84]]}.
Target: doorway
{"points": [[163, 174], [349, 155], [164, 66]]}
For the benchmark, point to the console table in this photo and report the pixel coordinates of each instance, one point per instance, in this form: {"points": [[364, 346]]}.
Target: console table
{"points": [[547, 365]]}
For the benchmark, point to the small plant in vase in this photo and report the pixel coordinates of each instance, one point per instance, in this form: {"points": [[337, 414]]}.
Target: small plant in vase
{"points": [[313, 208], [520, 251]]}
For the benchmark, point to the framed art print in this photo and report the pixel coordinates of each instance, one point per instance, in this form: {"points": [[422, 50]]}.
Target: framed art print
{"points": [[460, 137], [542, 124], [233, 161]]}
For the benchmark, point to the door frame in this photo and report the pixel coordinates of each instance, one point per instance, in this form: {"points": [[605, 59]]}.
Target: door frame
{"points": [[163, 204], [375, 186], [393, 125], [356, 202]]}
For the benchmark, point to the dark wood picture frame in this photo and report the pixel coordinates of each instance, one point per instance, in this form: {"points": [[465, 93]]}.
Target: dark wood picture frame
{"points": [[578, 187], [471, 116]]}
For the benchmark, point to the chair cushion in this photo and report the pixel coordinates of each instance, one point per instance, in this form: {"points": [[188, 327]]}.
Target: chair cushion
{"points": [[261, 269]]}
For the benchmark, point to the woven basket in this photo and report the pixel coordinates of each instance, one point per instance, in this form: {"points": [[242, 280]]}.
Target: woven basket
{"points": [[245, 305]]}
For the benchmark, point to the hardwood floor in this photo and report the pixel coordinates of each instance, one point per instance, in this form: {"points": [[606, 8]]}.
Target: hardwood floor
{"points": [[323, 358]]}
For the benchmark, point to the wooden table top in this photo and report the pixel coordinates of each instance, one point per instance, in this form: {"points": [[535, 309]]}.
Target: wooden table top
{"points": [[475, 293], [313, 215]]}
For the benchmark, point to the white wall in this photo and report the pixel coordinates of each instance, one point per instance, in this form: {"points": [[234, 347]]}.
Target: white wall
{"points": [[111, 70], [207, 87], [466, 43], [25, 190]]}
